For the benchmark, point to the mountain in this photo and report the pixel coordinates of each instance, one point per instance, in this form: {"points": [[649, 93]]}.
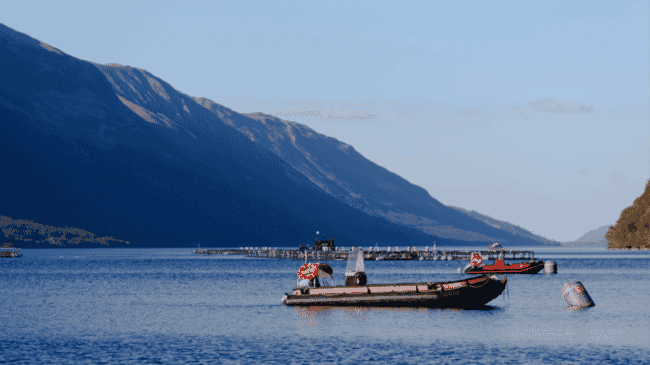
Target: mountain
{"points": [[343, 173], [116, 151], [506, 226], [21, 233], [632, 230], [596, 236]]}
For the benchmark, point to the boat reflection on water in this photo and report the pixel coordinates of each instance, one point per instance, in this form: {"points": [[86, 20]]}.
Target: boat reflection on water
{"points": [[340, 320], [313, 311]]}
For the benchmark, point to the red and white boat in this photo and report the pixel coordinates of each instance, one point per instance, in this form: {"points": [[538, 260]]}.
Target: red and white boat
{"points": [[500, 267]]}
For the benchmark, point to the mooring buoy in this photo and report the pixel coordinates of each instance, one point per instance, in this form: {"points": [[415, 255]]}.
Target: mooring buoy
{"points": [[576, 295], [550, 267]]}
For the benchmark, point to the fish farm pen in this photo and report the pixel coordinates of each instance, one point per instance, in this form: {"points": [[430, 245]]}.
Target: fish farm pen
{"points": [[372, 254]]}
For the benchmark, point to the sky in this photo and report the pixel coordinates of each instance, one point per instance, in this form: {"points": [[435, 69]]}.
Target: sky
{"points": [[534, 112]]}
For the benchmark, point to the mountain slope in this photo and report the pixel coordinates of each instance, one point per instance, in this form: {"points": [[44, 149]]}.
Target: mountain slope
{"points": [[632, 229], [340, 171], [119, 152], [594, 236], [136, 160], [506, 226]]}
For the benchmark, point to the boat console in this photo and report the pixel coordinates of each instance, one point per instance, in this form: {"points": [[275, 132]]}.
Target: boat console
{"points": [[355, 273]]}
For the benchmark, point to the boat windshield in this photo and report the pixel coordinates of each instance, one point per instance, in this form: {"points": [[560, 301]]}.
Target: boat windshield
{"points": [[355, 261]]}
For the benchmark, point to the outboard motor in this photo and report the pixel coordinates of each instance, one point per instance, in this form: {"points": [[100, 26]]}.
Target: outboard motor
{"points": [[355, 274], [475, 261], [324, 276], [467, 267]]}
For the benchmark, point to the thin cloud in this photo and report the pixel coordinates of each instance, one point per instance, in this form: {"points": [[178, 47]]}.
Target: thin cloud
{"points": [[307, 111], [557, 106]]}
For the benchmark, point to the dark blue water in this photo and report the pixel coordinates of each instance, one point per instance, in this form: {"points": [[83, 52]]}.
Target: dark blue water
{"points": [[171, 306]]}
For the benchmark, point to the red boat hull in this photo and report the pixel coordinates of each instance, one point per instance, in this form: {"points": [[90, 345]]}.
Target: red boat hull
{"points": [[500, 267]]}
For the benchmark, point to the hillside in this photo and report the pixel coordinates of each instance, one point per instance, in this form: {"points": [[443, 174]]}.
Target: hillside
{"points": [[594, 236], [506, 226], [21, 233], [632, 230], [144, 163], [343, 173], [116, 151]]}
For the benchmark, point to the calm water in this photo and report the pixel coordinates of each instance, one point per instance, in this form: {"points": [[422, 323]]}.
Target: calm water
{"points": [[171, 306]]}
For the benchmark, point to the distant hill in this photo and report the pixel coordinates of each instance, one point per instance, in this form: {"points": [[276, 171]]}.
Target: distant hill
{"points": [[594, 236], [632, 230], [116, 151], [507, 226], [22, 233]]}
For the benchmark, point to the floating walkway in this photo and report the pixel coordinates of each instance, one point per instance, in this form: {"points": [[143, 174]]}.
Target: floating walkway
{"points": [[374, 254], [222, 252]]}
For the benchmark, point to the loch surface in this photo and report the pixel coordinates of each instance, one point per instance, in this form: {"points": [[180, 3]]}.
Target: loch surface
{"points": [[143, 306]]}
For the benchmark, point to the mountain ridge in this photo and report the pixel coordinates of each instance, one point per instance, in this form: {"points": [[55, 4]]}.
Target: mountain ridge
{"points": [[81, 156], [112, 148], [391, 196], [596, 235]]}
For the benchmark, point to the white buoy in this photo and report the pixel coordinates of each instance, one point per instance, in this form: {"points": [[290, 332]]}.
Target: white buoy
{"points": [[576, 295], [550, 267]]}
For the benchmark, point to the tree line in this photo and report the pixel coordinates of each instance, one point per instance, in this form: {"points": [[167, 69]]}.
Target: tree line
{"points": [[23, 233], [632, 230]]}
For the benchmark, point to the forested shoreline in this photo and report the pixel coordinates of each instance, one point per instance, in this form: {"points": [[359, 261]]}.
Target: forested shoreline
{"points": [[632, 230]]}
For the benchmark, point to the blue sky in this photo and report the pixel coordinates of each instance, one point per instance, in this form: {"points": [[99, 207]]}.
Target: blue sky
{"points": [[532, 112]]}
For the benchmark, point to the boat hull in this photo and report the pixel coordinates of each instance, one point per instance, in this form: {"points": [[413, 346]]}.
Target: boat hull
{"points": [[468, 293], [523, 268]]}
